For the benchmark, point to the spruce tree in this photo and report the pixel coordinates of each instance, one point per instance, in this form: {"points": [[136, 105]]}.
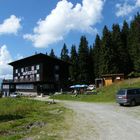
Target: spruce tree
{"points": [[52, 53], [64, 53], [119, 50], [134, 43], [91, 65], [83, 54], [96, 56], [74, 69], [106, 54], [127, 63]]}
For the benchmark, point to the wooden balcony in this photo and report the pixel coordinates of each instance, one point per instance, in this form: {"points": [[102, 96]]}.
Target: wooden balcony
{"points": [[27, 80]]}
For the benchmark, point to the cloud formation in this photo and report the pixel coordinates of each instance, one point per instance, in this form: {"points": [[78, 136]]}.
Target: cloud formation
{"points": [[65, 18], [124, 9], [10, 25], [5, 58]]}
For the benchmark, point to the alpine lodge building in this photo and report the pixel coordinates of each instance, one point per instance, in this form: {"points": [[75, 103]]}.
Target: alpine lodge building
{"points": [[37, 74]]}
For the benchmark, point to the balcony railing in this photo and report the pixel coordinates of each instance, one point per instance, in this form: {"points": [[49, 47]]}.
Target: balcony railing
{"points": [[7, 81], [27, 80]]}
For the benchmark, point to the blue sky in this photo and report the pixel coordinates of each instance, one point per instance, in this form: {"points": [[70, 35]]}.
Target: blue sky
{"points": [[29, 26]]}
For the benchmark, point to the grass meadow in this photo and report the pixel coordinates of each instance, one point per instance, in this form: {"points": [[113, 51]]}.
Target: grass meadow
{"points": [[25, 118]]}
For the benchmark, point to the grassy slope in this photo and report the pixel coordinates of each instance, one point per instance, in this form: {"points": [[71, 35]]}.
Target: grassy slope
{"points": [[105, 94], [17, 115]]}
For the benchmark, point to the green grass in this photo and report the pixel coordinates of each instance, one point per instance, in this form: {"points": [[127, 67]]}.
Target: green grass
{"points": [[105, 94], [25, 118]]}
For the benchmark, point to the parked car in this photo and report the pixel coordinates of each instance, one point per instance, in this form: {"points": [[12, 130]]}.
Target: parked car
{"points": [[15, 95], [128, 96], [91, 87]]}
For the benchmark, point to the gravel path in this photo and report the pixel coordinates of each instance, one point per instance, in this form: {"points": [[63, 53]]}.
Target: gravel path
{"points": [[101, 121], [104, 122]]}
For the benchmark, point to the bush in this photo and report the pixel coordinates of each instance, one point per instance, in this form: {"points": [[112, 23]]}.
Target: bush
{"points": [[134, 74]]}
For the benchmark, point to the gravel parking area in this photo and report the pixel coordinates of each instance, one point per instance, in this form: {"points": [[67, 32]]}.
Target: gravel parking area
{"points": [[94, 121], [103, 121]]}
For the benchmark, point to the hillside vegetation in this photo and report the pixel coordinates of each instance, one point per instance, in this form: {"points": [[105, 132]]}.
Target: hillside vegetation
{"points": [[105, 94]]}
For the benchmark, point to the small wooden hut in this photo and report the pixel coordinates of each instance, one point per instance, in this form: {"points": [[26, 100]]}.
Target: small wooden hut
{"points": [[111, 78]]}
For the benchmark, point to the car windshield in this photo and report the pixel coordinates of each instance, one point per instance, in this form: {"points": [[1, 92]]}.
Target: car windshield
{"points": [[121, 92], [14, 94]]}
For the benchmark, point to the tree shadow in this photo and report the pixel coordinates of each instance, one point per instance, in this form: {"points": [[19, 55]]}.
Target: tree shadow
{"points": [[4, 118]]}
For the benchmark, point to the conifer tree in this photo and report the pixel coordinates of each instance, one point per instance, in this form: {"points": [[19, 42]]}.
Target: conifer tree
{"points": [[91, 65], [52, 53], [96, 56], [134, 42], [117, 47], [74, 70], [83, 52], [105, 53], [64, 53], [127, 63]]}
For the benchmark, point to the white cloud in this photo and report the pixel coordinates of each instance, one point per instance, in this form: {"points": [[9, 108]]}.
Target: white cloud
{"points": [[5, 58], [10, 25], [65, 18], [124, 9], [138, 3]]}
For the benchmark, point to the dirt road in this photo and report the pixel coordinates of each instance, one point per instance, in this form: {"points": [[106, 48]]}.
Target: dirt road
{"points": [[101, 121], [94, 121]]}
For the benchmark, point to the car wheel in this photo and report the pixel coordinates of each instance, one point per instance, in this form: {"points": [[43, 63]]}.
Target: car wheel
{"points": [[133, 103], [121, 104]]}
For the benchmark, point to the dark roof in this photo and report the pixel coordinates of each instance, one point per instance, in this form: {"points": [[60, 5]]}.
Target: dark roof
{"points": [[35, 57], [5, 81], [108, 75]]}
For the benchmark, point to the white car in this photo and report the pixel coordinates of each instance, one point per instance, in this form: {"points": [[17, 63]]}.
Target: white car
{"points": [[15, 95], [91, 87]]}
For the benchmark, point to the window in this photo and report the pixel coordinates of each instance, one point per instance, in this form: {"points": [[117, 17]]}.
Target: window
{"points": [[56, 77], [25, 86], [5, 87], [46, 86], [21, 78], [26, 68], [131, 92], [22, 69], [35, 71], [31, 77], [138, 91], [32, 68], [16, 70], [56, 67], [26, 77], [37, 77], [16, 78], [121, 92], [37, 67], [12, 86]]}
